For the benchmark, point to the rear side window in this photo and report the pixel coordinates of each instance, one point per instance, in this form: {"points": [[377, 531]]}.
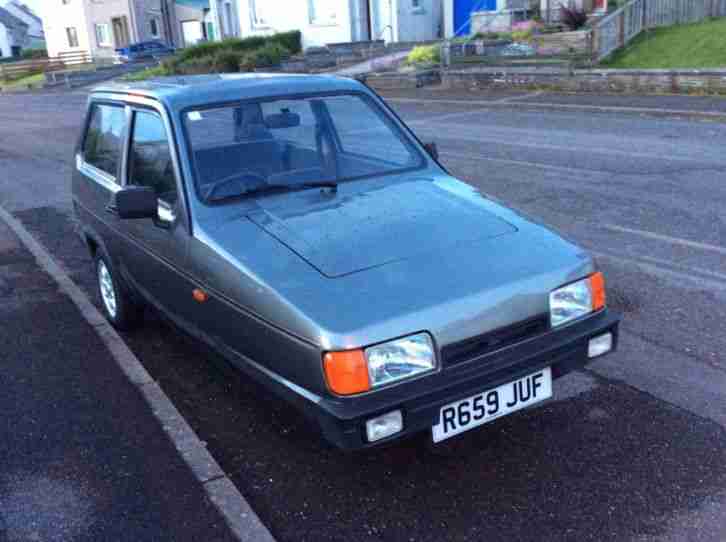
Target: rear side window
{"points": [[150, 162], [104, 139]]}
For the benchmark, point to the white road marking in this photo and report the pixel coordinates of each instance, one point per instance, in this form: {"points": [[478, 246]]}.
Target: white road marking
{"points": [[472, 112], [667, 239], [524, 163], [660, 270], [455, 132]]}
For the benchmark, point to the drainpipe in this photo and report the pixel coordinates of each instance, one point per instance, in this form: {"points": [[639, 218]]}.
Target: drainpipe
{"points": [[132, 22]]}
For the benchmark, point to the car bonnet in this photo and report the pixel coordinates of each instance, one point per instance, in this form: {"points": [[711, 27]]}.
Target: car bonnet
{"points": [[348, 233]]}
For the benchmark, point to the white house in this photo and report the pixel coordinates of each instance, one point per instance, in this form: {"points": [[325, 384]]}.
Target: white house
{"points": [[101, 27], [205, 20], [36, 37], [338, 21], [13, 34]]}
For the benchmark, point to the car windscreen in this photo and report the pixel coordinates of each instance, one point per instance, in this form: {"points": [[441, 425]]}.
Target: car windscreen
{"points": [[248, 147]]}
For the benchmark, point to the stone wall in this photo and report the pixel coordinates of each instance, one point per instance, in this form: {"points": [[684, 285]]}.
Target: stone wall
{"points": [[599, 81]]}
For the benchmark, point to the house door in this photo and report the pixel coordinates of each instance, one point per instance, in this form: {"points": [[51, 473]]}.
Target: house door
{"points": [[120, 32], [462, 15], [382, 20], [192, 32]]}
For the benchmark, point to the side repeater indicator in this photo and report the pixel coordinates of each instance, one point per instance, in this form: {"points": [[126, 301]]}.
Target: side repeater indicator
{"points": [[200, 296]]}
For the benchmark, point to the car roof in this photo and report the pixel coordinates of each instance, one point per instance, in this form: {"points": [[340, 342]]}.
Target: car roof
{"points": [[180, 92]]}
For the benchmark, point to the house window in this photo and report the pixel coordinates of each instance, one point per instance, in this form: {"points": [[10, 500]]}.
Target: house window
{"points": [[103, 35], [72, 36], [258, 13], [154, 27], [323, 12]]}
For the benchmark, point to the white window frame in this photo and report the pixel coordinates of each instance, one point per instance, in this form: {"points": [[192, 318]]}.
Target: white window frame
{"points": [[154, 24], [255, 19], [317, 19], [68, 37], [107, 30]]}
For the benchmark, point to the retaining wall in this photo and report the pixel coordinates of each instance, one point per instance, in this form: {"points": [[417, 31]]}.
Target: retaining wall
{"points": [[634, 81]]}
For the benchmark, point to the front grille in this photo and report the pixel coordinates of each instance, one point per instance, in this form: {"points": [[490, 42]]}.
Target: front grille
{"points": [[473, 348]]}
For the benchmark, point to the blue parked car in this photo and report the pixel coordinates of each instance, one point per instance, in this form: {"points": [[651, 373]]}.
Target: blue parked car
{"points": [[144, 49]]}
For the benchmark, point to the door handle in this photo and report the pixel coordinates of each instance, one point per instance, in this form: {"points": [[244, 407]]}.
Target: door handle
{"points": [[112, 209]]}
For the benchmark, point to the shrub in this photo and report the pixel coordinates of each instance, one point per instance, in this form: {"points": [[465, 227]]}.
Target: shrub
{"points": [[34, 53], [505, 36], [148, 73], [487, 36], [292, 41], [270, 55], [227, 61], [522, 35], [210, 48], [572, 17], [196, 65], [424, 54]]}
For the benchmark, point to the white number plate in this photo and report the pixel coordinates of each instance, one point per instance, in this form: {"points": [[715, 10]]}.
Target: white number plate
{"points": [[474, 411]]}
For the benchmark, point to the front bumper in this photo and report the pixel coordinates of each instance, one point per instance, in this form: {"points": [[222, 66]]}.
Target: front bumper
{"points": [[343, 419]]}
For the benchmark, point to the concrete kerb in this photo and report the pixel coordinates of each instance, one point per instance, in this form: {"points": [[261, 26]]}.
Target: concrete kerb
{"points": [[236, 511], [517, 101]]}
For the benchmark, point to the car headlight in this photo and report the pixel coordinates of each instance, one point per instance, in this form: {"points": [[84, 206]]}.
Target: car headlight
{"points": [[357, 371], [577, 299]]}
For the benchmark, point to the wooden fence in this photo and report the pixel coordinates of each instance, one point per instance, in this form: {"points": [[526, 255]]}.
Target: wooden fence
{"points": [[617, 29], [17, 70]]}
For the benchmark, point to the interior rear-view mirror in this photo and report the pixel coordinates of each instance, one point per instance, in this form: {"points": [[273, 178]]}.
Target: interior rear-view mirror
{"points": [[432, 149], [282, 120]]}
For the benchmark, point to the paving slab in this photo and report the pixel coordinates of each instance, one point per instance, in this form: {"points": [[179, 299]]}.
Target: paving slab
{"points": [[82, 455]]}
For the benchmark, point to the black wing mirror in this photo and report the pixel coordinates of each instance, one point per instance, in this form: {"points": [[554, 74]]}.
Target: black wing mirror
{"points": [[433, 150], [134, 202]]}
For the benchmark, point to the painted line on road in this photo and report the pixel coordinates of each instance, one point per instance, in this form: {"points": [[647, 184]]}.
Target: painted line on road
{"points": [[665, 270], [474, 111], [667, 238], [523, 163], [714, 115], [451, 134], [236, 511]]}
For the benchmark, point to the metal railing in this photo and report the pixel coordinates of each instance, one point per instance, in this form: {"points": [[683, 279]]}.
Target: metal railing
{"points": [[618, 28]]}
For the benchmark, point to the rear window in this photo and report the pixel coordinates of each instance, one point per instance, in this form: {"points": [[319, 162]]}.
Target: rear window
{"points": [[103, 144]]}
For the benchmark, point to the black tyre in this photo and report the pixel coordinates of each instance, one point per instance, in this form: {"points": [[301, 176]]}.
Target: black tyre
{"points": [[118, 305]]}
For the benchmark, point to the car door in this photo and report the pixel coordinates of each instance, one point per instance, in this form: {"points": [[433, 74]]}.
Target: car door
{"points": [[98, 170], [155, 252]]}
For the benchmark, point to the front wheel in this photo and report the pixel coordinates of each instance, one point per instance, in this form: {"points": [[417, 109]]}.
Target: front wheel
{"points": [[117, 304]]}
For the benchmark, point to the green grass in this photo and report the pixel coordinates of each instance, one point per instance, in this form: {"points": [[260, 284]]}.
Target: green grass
{"points": [[701, 45], [148, 73], [36, 81]]}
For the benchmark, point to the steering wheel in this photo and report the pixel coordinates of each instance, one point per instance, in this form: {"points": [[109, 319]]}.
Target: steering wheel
{"points": [[242, 178]]}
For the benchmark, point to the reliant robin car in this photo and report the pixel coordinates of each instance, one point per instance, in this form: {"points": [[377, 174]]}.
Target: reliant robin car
{"points": [[297, 226]]}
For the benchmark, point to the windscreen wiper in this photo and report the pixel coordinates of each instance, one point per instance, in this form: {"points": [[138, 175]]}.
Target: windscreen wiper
{"points": [[332, 185]]}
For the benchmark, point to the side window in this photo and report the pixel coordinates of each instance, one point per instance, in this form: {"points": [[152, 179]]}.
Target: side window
{"points": [[104, 139], [364, 133], [150, 161]]}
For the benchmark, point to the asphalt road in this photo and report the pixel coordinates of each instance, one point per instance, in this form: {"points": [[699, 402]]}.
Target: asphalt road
{"points": [[633, 449]]}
